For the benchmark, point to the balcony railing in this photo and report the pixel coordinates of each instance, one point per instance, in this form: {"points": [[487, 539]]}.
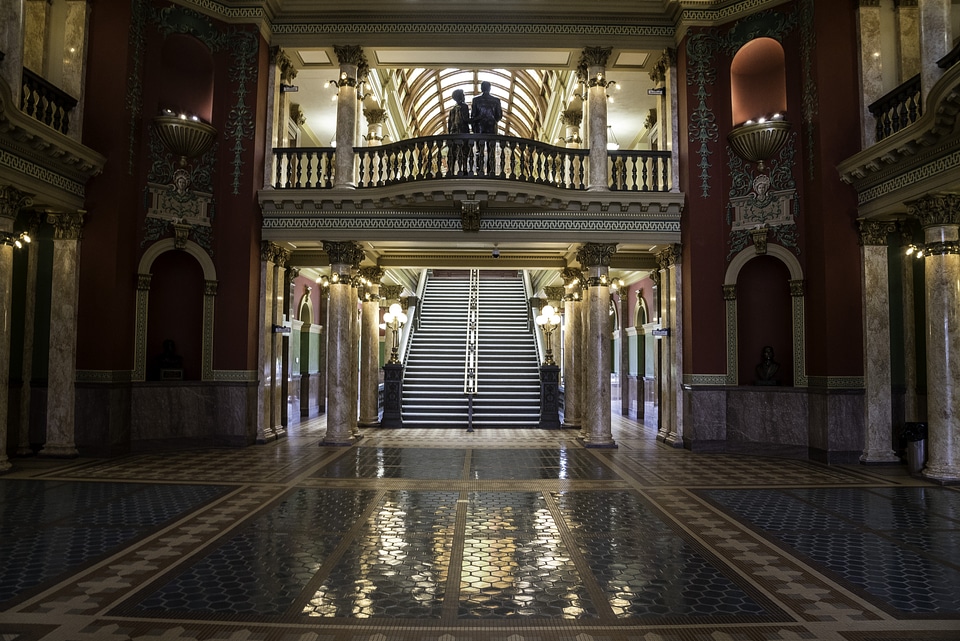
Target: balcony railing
{"points": [[898, 108], [473, 156], [45, 102]]}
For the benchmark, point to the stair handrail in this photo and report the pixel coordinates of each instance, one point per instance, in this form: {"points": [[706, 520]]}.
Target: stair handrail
{"points": [[473, 328], [532, 317], [413, 313]]}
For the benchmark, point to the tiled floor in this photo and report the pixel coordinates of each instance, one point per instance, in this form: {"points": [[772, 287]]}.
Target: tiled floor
{"points": [[443, 535]]}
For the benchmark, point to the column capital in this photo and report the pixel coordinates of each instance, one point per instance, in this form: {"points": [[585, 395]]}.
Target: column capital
{"points": [[936, 209], [344, 252], [292, 273], [12, 200], [391, 292], [875, 232], [667, 59], [554, 293], [67, 226], [352, 55], [729, 292], [655, 278], [274, 253], [372, 274], [572, 117], [596, 254], [670, 255], [284, 64], [592, 57], [375, 116]]}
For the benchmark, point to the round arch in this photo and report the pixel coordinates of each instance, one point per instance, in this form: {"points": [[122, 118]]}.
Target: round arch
{"points": [[169, 244]]}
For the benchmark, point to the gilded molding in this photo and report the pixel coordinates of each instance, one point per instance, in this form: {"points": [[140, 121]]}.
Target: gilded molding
{"points": [[875, 232], [730, 292], [67, 226], [596, 254], [936, 209]]}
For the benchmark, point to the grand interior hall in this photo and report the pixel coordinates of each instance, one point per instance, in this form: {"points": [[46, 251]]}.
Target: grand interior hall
{"points": [[449, 320]]}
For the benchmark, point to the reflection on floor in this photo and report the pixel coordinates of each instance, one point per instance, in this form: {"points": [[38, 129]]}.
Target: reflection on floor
{"points": [[443, 535]]}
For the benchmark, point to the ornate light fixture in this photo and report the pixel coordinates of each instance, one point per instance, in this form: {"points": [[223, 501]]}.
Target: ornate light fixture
{"points": [[14, 240], [548, 320], [758, 140], [184, 136], [395, 320]]}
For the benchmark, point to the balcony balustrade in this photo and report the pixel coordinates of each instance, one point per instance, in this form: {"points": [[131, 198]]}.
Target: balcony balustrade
{"points": [[47, 103], [470, 156]]}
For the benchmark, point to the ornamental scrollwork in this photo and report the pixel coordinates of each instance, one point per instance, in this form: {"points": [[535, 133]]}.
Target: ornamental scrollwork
{"points": [[596, 254]]}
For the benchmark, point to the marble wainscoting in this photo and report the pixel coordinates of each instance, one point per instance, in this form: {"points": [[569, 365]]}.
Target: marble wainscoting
{"points": [[103, 417], [294, 401], [783, 421], [193, 413]]}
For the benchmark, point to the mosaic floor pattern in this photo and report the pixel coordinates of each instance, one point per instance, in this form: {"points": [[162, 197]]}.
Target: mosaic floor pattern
{"points": [[443, 535]]}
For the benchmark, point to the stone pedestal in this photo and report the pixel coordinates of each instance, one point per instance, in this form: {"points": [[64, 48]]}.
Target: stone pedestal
{"points": [[549, 397]]}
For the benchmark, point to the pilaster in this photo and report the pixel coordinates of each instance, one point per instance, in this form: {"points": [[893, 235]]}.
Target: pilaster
{"points": [[62, 368], [871, 65], [671, 406], [878, 433]]}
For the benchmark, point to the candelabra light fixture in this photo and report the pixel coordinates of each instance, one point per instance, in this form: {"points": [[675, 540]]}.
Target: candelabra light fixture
{"points": [[548, 320], [395, 319], [14, 240]]}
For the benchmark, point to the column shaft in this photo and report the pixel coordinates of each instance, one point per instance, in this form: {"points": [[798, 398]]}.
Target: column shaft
{"points": [[597, 131], [571, 364], [664, 352], [62, 369], [370, 363], [265, 352], [596, 415], [6, 303], [29, 316], [341, 406], [911, 411], [935, 42], [675, 437], [276, 350]]}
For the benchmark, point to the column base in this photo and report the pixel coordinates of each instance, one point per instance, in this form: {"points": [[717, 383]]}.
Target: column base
{"points": [[56, 450], [606, 443], [24, 451], [5, 465], [673, 440], [571, 426], [369, 424], [280, 432], [946, 474], [879, 457], [347, 442]]}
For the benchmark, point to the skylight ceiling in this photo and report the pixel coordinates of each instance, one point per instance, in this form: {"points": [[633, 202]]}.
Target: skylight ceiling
{"points": [[426, 97]]}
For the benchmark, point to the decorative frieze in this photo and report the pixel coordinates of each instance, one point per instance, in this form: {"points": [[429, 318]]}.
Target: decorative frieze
{"points": [[875, 232], [936, 209], [596, 254]]}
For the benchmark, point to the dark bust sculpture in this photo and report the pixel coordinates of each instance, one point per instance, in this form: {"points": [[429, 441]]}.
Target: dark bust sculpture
{"points": [[171, 363], [767, 368]]}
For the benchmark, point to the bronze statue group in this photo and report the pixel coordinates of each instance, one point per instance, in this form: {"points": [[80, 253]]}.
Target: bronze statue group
{"points": [[482, 117]]}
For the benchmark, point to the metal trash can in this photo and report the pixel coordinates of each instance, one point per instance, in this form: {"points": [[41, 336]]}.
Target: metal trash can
{"points": [[914, 436]]}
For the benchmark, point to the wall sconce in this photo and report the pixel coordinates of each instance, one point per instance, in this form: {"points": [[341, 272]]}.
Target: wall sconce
{"points": [[758, 140], [15, 240], [548, 320], [395, 320], [184, 136]]}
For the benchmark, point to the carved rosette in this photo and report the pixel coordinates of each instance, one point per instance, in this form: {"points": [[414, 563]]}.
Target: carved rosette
{"points": [[875, 232], [67, 226], [936, 209], [596, 254]]}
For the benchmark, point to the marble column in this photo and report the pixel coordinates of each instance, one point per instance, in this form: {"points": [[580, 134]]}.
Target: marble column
{"points": [[908, 31], [583, 369], [663, 350], [936, 41], [664, 75], [34, 220], [353, 67], [871, 66], [594, 60], [626, 391], [62, 368], [875, 301], [911, 410], [276, 348], [355, 288], [595, 259], [281, 71], [375, 119], [939, 215], [370, 349], [655, 279], [12, 200], [341, 307]]}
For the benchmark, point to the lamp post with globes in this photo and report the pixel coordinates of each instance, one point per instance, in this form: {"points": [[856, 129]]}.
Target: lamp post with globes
{"points": [[393, 370], [548, 320], [395, 319]]}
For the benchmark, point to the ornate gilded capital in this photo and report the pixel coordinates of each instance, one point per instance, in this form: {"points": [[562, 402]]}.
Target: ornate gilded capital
{"points": [[470, 215], [375, 116], [210, 287], [729, 292], [268, 251], [655, 278], [596, 254], [341, 253], [797, 287], [936, 209], [67, 226], [391, 292], [572, 117], [875, 232], [554, 293], [352, 55], [593, 57], [651, 119], [143, 281], [12, 200], [372, 274], [284, 64], [670, 255]]}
